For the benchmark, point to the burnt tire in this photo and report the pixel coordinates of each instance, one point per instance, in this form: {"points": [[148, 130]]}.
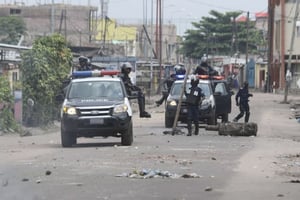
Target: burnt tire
{"points": [[127, 136], [67, 138]]}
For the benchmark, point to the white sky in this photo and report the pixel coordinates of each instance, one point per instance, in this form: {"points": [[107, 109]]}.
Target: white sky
{"points": [[179, 12]]}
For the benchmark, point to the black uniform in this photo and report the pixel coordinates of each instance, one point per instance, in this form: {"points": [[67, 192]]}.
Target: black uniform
{"points": [[130, 88], [167, 84], [205, 69], [242, 100], [193, 101]]}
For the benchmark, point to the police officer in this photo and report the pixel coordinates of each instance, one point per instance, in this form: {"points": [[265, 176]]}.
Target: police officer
{"points": [[125, 71], [167, 84], [179, 69], [204, 68], [242, 100], [193, 101], [83, 64]]}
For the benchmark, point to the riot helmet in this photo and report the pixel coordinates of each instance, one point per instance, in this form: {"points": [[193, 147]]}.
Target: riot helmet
{"points": [[83, 59], [179, 69], [194, 81], [126, 67]]}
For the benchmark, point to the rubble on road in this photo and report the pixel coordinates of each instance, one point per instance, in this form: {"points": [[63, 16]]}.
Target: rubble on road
{"points": [[149, 173]]}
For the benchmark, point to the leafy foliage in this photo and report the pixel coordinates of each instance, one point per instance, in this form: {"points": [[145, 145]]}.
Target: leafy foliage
{"points": [[11, 29], [7, 121], [219, 34], [44, 68]]}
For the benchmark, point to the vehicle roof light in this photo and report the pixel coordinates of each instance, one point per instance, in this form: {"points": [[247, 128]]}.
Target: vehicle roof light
{"points": [[180, 76], [94, 73], [206, 77]]}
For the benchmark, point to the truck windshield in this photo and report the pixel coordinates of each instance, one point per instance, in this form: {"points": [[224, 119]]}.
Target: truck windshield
{"points": [[177, 87], [111, 90]]}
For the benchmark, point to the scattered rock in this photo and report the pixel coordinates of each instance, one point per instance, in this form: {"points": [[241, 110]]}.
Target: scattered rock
{"points": [[25, 179], [208, 189], [295, 181], [4, 183], [48, 172]]}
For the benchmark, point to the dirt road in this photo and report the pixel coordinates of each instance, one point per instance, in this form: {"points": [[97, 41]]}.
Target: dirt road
{"points": [[263, 167]]}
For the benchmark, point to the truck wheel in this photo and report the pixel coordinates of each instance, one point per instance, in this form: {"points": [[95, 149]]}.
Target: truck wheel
{"points": [[169, 122], [212, 120], [67, 138], [127, 136]]}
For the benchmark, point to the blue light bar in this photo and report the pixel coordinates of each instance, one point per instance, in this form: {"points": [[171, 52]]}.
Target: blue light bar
{"points": [[94, 73], [180, 76], [82, 74]]}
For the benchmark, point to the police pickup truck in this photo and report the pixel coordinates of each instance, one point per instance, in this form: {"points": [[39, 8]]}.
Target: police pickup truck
{"points": [[215, 105], [95, 104]]}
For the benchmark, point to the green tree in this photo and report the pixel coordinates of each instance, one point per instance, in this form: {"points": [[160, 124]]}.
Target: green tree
{"points": [[44, 67], [7, 121], [215, 35], [12, 28]]}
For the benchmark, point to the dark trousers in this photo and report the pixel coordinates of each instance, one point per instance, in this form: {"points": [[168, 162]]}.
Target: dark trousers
{"points": [[244, 108], [193, 116]]}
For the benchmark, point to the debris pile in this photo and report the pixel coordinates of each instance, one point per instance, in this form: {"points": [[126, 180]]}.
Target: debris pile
{"points": [[150, 173]]}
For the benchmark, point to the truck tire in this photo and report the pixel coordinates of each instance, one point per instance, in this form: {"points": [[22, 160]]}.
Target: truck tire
{"points": [[67, 138], [127, 136], [212, 120], [169, 122]]}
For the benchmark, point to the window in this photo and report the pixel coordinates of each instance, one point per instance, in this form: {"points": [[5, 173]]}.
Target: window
{"points": [[220, 88], [15, 11]]}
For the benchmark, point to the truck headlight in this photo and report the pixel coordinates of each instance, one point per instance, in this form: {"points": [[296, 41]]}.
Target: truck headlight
{"points": [[69, 110], [120, 109], [172, 103], [206, 103]]}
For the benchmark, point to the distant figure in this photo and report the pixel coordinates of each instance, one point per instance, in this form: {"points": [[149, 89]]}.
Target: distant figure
{"points": [[242, 100], [193, 101], [267, 83]]}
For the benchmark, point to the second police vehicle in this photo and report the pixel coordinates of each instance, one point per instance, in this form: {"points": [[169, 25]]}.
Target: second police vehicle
{"points": [[215, 105]]}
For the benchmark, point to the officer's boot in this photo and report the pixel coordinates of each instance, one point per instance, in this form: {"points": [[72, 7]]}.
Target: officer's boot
{"points": [[189, 126], [143, 113], [196, 128]]}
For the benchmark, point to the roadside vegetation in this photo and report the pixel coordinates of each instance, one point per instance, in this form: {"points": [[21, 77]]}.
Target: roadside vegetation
{"points": [[43, 68], [220, 34], [7, 120]]}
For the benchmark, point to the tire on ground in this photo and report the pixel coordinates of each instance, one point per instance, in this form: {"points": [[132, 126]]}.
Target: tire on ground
{"points": [[127, 136]]}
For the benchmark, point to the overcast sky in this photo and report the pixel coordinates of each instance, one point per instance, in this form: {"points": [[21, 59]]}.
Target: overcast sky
{"points": [[179, 12]]}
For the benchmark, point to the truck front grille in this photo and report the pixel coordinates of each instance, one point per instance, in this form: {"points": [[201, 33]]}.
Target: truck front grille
{"points": [[94, 111]]}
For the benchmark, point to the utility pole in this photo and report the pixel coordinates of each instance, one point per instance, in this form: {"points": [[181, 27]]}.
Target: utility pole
{"points": [[270, 40], [247, 35], [52, 16], [288, 76]]}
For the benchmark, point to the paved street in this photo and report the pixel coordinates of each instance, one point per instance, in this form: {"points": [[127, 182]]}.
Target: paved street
{"points": [[263, 167]]}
